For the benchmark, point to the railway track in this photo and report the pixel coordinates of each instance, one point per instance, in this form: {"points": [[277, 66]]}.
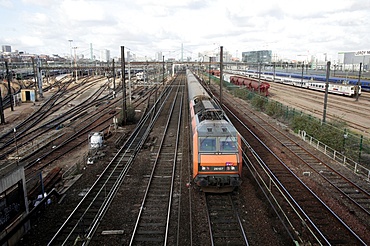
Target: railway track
{"points": [[25, 131], [96, 120], [225, 225], [82, 223], [353, 112], [359, 196], [320, 221], [153, 221]]}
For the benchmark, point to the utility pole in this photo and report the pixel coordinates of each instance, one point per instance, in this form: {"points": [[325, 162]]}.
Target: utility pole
{"points": [[2, 118], [221, 72], [39, 76], [76, 77], [358, 83], [163, 68], [8, 78], [114, 80], [124, 107], [70, 46], [129, 77], [326, 91], [302, 74], [259, 76], [34, 73], [209, 71]]}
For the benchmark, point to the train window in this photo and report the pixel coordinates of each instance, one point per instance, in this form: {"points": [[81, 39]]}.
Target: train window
{"points": [[228, 144], [207, 144]]}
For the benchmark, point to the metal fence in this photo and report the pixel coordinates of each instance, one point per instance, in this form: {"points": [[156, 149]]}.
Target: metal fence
{"points": [[335, 155]]}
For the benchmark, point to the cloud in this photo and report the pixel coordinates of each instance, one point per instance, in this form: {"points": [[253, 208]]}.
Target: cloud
{"points": [[6, 3], [147, 26], [82, 10]]}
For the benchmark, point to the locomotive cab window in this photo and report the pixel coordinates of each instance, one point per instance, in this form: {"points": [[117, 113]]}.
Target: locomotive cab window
{"points": [[207, 144], [228, 144]]}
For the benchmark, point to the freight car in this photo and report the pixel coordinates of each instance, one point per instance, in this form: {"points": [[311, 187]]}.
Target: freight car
{"points": [[216, 144], [214, 72], [261, 87]]}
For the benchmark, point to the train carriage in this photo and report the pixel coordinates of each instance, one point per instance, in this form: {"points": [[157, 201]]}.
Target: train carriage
{"points": [[216, 144], [334, 88]]}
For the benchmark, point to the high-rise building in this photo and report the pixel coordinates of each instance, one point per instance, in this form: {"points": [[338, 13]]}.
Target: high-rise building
{"points": [[258, 56], [7, 48], [104, 55], [159, 56]]}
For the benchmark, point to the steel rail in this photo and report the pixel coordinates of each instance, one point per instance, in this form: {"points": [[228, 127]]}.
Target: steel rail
{"points": [[154, 169], [293, 201]]}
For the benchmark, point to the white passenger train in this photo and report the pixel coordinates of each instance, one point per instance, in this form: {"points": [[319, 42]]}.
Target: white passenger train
{"points": [[334, 88], [340, 89]]}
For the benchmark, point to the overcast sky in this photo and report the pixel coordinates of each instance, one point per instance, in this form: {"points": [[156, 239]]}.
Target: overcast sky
{"points": [[287, 27]]}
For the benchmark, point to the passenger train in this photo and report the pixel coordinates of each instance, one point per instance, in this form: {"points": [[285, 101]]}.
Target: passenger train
{"points": [[334, 88], [365, 84], [216, 144]]}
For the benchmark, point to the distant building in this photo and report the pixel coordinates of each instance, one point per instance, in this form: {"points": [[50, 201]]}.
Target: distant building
{"points": [[350, 61], [104, 55], [6, 48], [258, 56], [159, 56]]}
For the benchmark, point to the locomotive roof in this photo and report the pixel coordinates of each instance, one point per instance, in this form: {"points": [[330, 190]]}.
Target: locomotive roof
{"points": [[216, 129]]}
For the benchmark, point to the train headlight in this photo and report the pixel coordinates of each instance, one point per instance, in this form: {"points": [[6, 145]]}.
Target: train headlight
{"points": [[230, 168]]}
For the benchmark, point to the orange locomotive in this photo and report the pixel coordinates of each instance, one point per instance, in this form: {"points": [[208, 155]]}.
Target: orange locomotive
{"points": [[217, 152]]}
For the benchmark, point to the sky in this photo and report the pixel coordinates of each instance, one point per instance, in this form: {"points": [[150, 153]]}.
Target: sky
{"points": [[289, 28]]}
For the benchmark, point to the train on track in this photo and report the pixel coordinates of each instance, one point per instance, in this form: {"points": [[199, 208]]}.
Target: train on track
{"points": [[334, 88], [342, 86], [250, 84], [261, 87], [216, 144]]}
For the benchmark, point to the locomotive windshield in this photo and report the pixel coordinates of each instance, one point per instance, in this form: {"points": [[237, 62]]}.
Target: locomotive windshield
{"points": [[220, 144], [208, 144], [228, 144]]}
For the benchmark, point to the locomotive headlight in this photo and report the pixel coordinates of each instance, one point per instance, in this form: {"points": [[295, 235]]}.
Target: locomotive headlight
{"points": [[233, 168], [203, 168]]}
